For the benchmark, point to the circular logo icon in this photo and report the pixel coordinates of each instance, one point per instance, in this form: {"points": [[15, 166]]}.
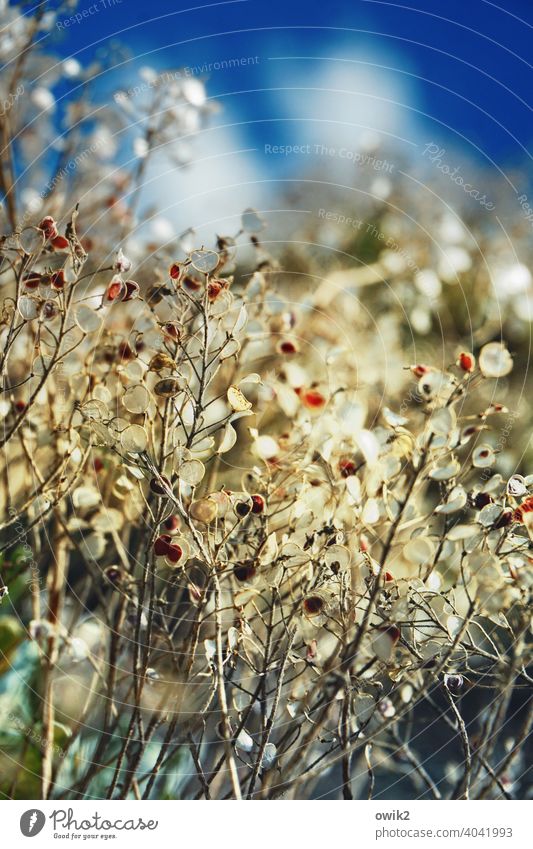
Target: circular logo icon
{"points": [[32, 822]]}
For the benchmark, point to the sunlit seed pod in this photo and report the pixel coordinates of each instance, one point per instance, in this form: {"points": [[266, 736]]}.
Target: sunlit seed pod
{"points": [[191, 472], [48, 226], [136, 399], [214, 289], [95, 409], [516, 486], [172, 330], [116, 290], [483, 457], [313, 606], [230, 349], [134, 439], [419, 551], [453, 682], [495, 360], [49, 311], [161, 361], [132, 290], [204, 510], [237, 400], [204, 261], [41, 365], [160, 486], [122, 262], [102, 434], [29, 307], [32, 240], [168, 387], [87, 319]]}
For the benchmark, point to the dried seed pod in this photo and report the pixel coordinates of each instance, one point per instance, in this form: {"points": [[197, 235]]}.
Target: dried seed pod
{"points": [[169, 387], [161, 361], [204, 510]]}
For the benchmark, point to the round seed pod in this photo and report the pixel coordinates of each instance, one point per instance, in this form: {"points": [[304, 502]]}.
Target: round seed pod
{"points": [[168, 387]]}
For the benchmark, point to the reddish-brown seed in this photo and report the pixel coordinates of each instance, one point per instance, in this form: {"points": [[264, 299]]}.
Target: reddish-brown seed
{"points": [[313, 605], [116, 290], [287, 347], [313, 399], [162, 545], [466, 361], [420, 369], [160, 486], [171, 524], [59, 243], [48, 226], [347, 468], [57, 279], [258, 504], [132, 290], [174, 554], [244, 571]]}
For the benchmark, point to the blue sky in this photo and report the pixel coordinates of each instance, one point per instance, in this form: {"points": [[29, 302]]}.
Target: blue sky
{"points": [[453, 73], [463, 65]]}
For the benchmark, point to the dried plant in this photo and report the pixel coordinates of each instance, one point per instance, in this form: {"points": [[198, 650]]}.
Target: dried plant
{"points": [[231, 567]]}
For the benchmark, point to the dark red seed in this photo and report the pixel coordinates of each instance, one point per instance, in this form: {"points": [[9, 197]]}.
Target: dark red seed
{"points": [[172, 523], [258, 504], [244, 571], [59, 243], [347, 468], [57, 279], [174, 554], [115, 290], [157, 487], [242, 508], [162, 545], [313, 605], [313, 398], [132, 290], [32, 280], [48, 226], [113, 574], [174, 271]]}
